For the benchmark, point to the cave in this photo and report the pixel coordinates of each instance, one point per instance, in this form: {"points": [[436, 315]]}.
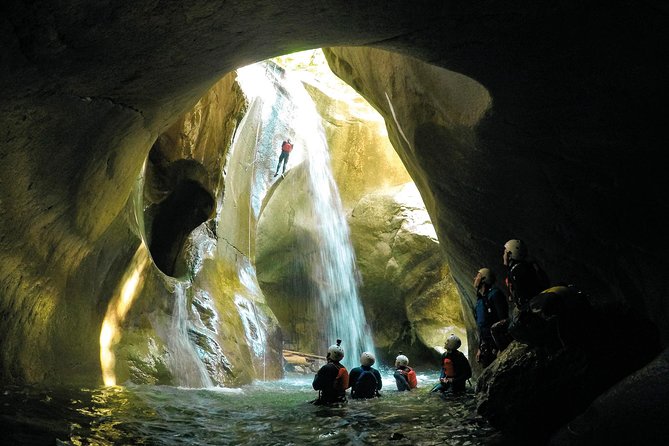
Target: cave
{"points": [[554, 137]]}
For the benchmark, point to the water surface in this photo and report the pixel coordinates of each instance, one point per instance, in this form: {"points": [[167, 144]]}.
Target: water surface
{"points": [[263, 413]]}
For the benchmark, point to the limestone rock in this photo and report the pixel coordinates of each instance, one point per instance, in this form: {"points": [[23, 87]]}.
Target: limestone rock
{"points": [[284, 244], [228, 325], [529, 392], [620, 416], [407, 291]]}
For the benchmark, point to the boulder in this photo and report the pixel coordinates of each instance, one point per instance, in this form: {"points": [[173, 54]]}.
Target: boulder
{"points": [[409, 297], [571, 352]]}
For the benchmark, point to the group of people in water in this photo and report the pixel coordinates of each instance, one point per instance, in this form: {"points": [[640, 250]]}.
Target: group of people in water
{"points": [[496, 328], [333, 380]]}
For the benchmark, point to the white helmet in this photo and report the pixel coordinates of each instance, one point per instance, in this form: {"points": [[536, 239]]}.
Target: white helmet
{"points": [[401, 360], [335, 352], [486, 276], [453, 343], [516, 248], [367, 359]]}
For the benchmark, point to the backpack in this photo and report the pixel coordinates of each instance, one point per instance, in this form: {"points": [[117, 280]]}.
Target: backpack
{"points": [[341, 381], [365, 386], [411, 378]]}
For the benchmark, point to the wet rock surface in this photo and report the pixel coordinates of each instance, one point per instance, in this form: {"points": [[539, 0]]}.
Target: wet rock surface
{"points": [[530, 391]]}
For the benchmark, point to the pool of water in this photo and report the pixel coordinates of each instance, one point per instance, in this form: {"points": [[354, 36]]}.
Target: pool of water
{"points": [[263, 413]]}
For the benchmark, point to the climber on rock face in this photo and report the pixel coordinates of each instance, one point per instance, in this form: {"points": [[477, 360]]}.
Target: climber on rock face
{"points": [[286, 148]]}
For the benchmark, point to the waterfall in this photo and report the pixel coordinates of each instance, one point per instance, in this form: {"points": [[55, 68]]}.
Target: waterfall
{"points": [[333, 270], [186, 365]]}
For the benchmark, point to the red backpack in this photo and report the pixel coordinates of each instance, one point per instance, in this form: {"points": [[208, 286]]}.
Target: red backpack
{"points": [[411, 378], [341, 381]]}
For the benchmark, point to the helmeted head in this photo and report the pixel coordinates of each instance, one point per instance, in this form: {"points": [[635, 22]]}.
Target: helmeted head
{"points": [[401, 360], [515, 250], [335, 352], [484, 276], [367, 359], [452, 343], [288, 140]]}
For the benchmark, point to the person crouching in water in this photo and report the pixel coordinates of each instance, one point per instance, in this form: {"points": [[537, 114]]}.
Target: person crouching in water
{"points": [[331, 381], [405, 377], [365, 381], [455, 368]]}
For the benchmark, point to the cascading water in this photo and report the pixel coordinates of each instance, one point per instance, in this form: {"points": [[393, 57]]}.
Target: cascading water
{"points": [[186, 365], [333, 270]]}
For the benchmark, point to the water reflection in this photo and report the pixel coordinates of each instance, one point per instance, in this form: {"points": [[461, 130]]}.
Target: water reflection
{"points": [[265, 413]]}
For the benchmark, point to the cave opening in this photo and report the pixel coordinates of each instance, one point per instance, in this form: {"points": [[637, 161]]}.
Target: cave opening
{"points": [[184, 209], [575, 122], [176, 201], [386, 220]]}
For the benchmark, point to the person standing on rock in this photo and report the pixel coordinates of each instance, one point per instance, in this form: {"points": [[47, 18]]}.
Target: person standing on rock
{"points": [[365, 381], [524, 280], [405, 377], [491, 307], [331, 381], [286, 147], [455, 368]]}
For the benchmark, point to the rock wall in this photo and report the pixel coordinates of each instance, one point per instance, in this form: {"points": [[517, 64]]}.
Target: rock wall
{"points": [[226, 316], [460, 125], [409, 296], [413, 97], [358, 142]]}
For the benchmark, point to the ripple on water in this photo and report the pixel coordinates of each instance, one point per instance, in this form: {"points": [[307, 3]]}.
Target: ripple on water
{"points": [[264, 413]]}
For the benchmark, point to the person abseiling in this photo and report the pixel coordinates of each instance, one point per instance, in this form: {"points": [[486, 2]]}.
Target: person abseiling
{"points": [[331, 381], [365, 381], [455, 368], [286, 147], [491, 307], [405, 377]]}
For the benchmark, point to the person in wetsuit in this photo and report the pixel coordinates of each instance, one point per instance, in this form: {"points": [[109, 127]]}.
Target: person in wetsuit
{"points": [[331, 380]]}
